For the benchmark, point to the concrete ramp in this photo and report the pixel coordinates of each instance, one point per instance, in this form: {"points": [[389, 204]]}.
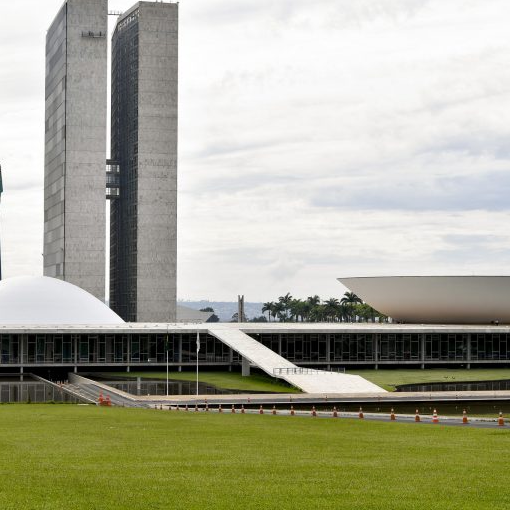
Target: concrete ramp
{"points": [[307, 380]]}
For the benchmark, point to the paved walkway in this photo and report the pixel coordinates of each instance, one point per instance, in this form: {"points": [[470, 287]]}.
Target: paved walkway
{"points": [[321, 398], [449, 421], [309, 381]]}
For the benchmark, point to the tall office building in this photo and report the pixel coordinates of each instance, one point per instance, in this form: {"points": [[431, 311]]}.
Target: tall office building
{"points": [[144, 145], [75, 145]]}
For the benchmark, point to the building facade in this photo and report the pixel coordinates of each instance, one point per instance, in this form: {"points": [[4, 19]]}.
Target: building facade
{"points": [[323, 346], [75, 145], [143, 244]]}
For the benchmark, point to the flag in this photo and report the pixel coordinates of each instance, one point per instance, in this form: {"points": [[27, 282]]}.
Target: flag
{"points": [[198, 342]]}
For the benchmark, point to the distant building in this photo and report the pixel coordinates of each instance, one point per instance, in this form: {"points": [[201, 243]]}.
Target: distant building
{"points": [[143, 246], [75, 145]]}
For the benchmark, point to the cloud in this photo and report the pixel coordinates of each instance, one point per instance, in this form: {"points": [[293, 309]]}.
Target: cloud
{"points": [[315, 140]]}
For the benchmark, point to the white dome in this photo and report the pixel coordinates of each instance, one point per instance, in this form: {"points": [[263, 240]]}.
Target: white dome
{"points": [[43, 300]]}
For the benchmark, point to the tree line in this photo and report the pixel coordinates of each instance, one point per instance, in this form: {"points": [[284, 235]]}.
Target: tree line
{"points": [[350, 308]]}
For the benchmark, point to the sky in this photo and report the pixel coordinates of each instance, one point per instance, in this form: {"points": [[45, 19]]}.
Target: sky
{"points": [[316, 140]]}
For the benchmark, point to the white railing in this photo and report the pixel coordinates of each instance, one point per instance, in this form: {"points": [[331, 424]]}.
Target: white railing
{"points": [[295, 371]]}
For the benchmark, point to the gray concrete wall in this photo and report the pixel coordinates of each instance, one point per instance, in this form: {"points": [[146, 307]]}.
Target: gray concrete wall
{"points": [[157, 162], [75, 207], [54, 137]]}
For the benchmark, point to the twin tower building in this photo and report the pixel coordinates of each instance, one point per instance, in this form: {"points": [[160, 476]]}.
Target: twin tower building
{"points": [[139, 177]]}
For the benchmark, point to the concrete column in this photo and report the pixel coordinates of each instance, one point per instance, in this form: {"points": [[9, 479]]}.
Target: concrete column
{"points": [[128, 350], [21, 373], [21, 348], [138, 385], [75, 344], [376, 350], [245, 367], [422, 346], [179, 368], [280, 344], [328, 353], [230, 359], [468, 353]]}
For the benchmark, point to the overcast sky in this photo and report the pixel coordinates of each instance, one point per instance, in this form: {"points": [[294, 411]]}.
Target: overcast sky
{"points": [[316, 140]]}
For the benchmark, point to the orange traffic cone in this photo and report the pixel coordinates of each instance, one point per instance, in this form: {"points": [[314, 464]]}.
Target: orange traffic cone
{"points": [[392, 415], [335, 414], [233, 409], [220, 410], [435, 418], [360, 414], [314, 412], [242, 409], [261, 411], [464, 417], [292, 413], [501, 421], [417, 416], [274, 410], [100, 399]]}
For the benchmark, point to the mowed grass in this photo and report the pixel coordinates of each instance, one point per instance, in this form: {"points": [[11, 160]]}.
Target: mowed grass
{"points": [[84, 457], [226, 380], [389, 378]]}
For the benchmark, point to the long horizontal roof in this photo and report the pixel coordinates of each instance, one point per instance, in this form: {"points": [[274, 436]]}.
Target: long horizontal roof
{"points": [[251, 328]]}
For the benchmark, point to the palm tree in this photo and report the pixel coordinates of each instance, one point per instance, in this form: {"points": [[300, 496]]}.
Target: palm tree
{"points": [[318, 313], [313, 300], [299, 309], [332, 306], [268, 307], [279, 311], [305, 311], [285, 301], [349, 300]]}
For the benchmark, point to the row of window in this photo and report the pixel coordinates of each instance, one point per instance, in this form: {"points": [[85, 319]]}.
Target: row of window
{"points": [[299, 348]]}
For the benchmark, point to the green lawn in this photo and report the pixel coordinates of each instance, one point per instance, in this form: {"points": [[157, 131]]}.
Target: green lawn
{"points": [[84, 457], [389, 378], [226, 380]]}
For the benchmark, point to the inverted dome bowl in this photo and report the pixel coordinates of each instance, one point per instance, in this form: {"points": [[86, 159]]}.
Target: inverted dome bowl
{"points": [[436, 299]]}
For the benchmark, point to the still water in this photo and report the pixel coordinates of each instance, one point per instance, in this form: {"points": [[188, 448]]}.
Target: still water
{"points": [[457, 386], [13, 390], [152, 387]]}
